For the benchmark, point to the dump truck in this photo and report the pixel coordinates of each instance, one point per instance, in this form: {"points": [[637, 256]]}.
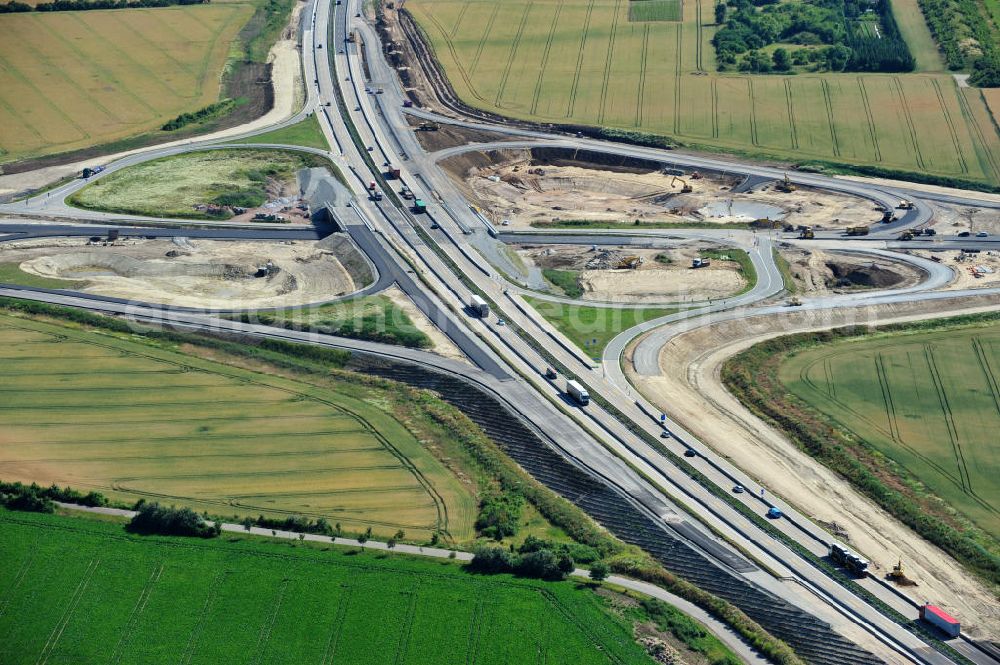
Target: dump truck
{"points": [[848, 559], [807, 233], [905, 205], [578, 393], [888, 216], [479, 307], [701, 263], [429, 127], [391, 174], [857, 230], [940, 619], [905, 235], [419, 206]]}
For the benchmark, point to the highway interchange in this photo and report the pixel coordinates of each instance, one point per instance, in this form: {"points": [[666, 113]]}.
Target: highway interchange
{"points": [[409, 251]]}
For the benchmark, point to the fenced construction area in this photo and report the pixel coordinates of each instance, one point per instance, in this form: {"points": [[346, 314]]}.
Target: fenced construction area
{"points": [[78, 591], [96, 411], [71, 80], [603, 62], [928, 401]]}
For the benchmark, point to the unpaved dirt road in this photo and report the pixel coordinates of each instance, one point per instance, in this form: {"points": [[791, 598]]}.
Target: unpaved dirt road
{"points": [[690, 390]]}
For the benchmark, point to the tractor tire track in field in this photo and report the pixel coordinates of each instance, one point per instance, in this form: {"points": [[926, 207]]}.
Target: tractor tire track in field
{"points": [[951, 126], [752, 109], [338, 625], [475, 632], [74, 601], [571, 107], [991, 167], [545, 58], [458, 62], [199, 627], [890, 406], [677, 80], [829, 117], [584, 629], [871, 119], [991, 378], [911, 129], [21, 120], [715, 107], [125, 641], [513, 53], [482, 41], [264, 638], [641, 92], [458, 19], [949, 419], [15, 584], [698, 36], [406, 630], [793, 132], [609, 61]]}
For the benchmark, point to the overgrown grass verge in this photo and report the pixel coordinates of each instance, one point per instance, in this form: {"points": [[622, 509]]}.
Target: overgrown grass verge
{"points": [[11, 273], [306, 133], [567, 281], [591, 328], [786, 271], [746, 267]]}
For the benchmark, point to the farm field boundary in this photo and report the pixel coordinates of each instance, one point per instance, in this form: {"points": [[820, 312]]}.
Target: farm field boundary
{"points": [[904, 412], [924, 123]]}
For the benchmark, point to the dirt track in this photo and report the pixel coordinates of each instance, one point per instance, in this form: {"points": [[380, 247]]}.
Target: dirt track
{"points": [[690, 390]]}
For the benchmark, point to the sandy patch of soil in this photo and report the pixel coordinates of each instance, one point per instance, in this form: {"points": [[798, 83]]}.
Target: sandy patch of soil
{"points": [[971, 270], [449, 136], [950, 220], [441, 345], [513, 186], [663, 275], [690, 390], [817, 272], [198, 273], [286, 80]]}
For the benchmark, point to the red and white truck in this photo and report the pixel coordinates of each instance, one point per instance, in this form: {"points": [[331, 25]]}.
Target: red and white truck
{"points": [[941, 619]]}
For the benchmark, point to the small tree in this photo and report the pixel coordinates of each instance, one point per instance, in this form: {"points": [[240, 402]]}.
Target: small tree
{"points": [[599, 571], [337, 528], [400, 535], [720, 13], [391, 543], [782, 62], [247, 523]]}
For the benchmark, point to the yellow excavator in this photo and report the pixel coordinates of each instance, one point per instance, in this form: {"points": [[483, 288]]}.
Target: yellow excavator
{"points": [[685, 187], [898, 575], [785, 185], [629, 262]]}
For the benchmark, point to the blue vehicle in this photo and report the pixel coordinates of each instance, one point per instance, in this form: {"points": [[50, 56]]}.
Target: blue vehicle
{"points": [[774, 513]]}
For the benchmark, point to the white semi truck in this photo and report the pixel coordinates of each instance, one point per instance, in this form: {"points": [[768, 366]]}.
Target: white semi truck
{"points": [[479, 307], [578, 393]]}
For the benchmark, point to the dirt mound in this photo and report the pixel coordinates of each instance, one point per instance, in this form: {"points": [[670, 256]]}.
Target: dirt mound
{"points": [[873, 276]]}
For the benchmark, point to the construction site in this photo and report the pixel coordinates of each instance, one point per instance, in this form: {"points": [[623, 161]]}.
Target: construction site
{"points": [[541, 187], [641, 275], [205, 274], [817, 272]]}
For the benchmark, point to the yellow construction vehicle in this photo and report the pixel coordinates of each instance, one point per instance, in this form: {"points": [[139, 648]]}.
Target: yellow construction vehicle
{"points": [[905, 205], [898, 575], [629, 262], [906, 235], [785, 185], [685, 187], [807, 233]]}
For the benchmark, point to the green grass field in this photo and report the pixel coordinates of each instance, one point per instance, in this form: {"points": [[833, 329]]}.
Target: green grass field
{"points": [[133, 420], [583, 61], [306, 133], [79, 591], [654, 10], [11, 273], [75, 79], [591, 328], [929, 401], [172, 186]]}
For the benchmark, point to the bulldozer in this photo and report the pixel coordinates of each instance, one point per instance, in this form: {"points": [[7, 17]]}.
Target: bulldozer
{"points": [[628, 262], [898, 575], [785, 185], [685, 187]]}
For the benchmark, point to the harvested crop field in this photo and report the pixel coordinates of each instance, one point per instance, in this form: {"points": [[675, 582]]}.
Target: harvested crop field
{"points": [[132, 420], [536, 189], [585, 62], [208, 274], [214, 184], [87, 592], [927, 401], [72, 80]]}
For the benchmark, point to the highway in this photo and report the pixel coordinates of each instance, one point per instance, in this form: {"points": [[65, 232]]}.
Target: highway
{"points": [[424, 260]]}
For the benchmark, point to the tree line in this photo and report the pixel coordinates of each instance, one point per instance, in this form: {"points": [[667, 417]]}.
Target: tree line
{"points": [[83, 5], [966, 38], [829, 32]]}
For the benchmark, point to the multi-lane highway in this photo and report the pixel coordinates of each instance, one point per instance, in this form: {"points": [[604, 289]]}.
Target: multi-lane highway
{"points": [[440, 268]]}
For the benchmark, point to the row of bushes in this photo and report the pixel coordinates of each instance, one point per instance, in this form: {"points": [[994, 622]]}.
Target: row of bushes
{"points": [[368, 327], [201, 115], [35, 498], [152, 518], [82, 5], [536, 562], [752, 376]]}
